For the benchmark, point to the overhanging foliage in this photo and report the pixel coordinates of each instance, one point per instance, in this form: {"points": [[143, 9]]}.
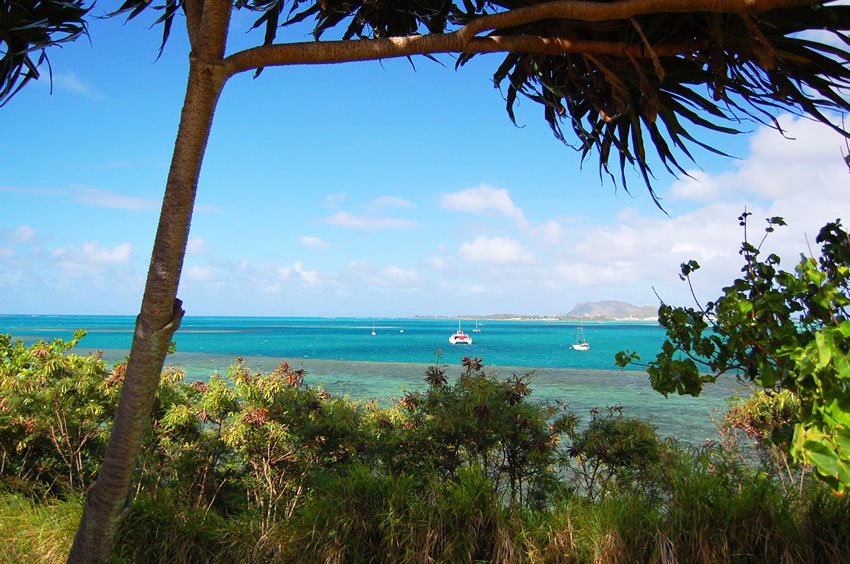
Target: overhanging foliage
{"points": [[27, 28], [635, 82], [630, 78]]}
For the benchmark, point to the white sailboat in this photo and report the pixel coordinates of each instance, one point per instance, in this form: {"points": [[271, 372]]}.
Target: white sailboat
{"points": [[373, 329], [476, 330], [579, 342], [460, 338]]}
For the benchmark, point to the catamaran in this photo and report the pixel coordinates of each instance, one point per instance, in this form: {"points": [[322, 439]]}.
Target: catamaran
{"points": [[460, 338]]}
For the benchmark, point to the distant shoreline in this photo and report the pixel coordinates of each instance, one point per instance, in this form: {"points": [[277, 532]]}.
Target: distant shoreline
{"points": [[468, 317], [512, 317]]}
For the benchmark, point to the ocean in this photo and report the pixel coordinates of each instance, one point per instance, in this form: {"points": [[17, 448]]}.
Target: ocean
{"points": [[343, 356]]}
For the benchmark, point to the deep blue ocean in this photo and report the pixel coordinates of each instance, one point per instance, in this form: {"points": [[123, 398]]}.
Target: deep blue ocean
{"points": [[342, 355]]}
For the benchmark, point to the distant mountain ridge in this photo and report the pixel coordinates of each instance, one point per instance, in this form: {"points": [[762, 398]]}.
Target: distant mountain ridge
{"points": [[612, 309], [608, 309]]}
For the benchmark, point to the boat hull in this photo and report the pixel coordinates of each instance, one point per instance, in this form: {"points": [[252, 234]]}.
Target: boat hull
{"points": [[460, 339]]}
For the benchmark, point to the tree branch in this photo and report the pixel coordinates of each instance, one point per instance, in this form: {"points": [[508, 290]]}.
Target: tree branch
{"points": [[193, 9], [623, 10], [323, 52], [466, 40], [214, 24]]}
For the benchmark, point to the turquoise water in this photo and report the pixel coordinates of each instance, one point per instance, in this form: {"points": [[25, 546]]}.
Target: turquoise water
{"points": [[513, 343], [342, 355]]}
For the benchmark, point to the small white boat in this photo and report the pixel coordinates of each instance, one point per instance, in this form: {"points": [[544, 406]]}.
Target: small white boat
{"points": [[373, 329], [401, 330], [476, 330], [460, 338], [579, 342]]}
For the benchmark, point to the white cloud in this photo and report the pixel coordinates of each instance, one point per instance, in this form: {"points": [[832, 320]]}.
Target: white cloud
{"points": [[496, 250], [299, 273], [784, 168], [595, 275], [72, 83], [699, 187], [196, 245], [359, 266], [361, 274], [396, 274], [367, 223], [484, 199], [96, 197], [335, 200], [646, 252], [6, 253], [550, 232], [804, 166], [92, 259], [803, 180], [200, 273], [438, 262], [307, 276], [106, 199], [393, 202], [313, 242], [120, 254], [21, 234]]}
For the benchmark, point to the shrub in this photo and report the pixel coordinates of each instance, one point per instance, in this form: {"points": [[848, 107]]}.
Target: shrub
{"points": [[767, 420], [55, 410], [615, 454], [484, 422]]}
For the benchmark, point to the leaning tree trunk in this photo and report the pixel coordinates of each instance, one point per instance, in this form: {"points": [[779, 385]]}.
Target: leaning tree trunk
{"points": [[159, 318]]}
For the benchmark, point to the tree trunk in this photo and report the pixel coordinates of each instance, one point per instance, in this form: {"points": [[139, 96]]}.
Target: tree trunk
{"points": [[159, 318]]}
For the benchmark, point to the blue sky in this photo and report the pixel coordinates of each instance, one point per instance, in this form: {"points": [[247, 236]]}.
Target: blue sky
{"points": [[368, 189]]}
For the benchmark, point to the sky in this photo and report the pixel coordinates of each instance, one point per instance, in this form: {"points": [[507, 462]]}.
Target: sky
{"points": [[376, 189]]}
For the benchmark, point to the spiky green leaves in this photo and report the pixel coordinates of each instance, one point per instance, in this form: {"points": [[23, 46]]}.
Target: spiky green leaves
{"points": [[677, 77], [633, 93], [27, 28]]}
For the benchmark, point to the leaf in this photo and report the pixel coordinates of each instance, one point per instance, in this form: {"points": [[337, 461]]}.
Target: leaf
{"points": [[687, 268], [824, 350], [824, 458], [842, 439], [843, 472], [842, 366]]}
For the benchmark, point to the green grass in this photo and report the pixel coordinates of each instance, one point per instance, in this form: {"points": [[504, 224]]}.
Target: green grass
{"points": [[33, 530], [363, 516], [301, 477]]}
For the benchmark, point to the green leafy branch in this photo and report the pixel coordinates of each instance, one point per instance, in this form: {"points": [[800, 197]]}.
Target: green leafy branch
{"points": [[778, 330]]}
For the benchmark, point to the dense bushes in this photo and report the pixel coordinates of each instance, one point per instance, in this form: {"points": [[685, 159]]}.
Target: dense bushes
{"points": [[55, 410], [259, 467]]}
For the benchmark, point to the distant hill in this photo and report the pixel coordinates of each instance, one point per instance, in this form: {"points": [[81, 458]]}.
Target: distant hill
{"points": [[611, 309]]}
